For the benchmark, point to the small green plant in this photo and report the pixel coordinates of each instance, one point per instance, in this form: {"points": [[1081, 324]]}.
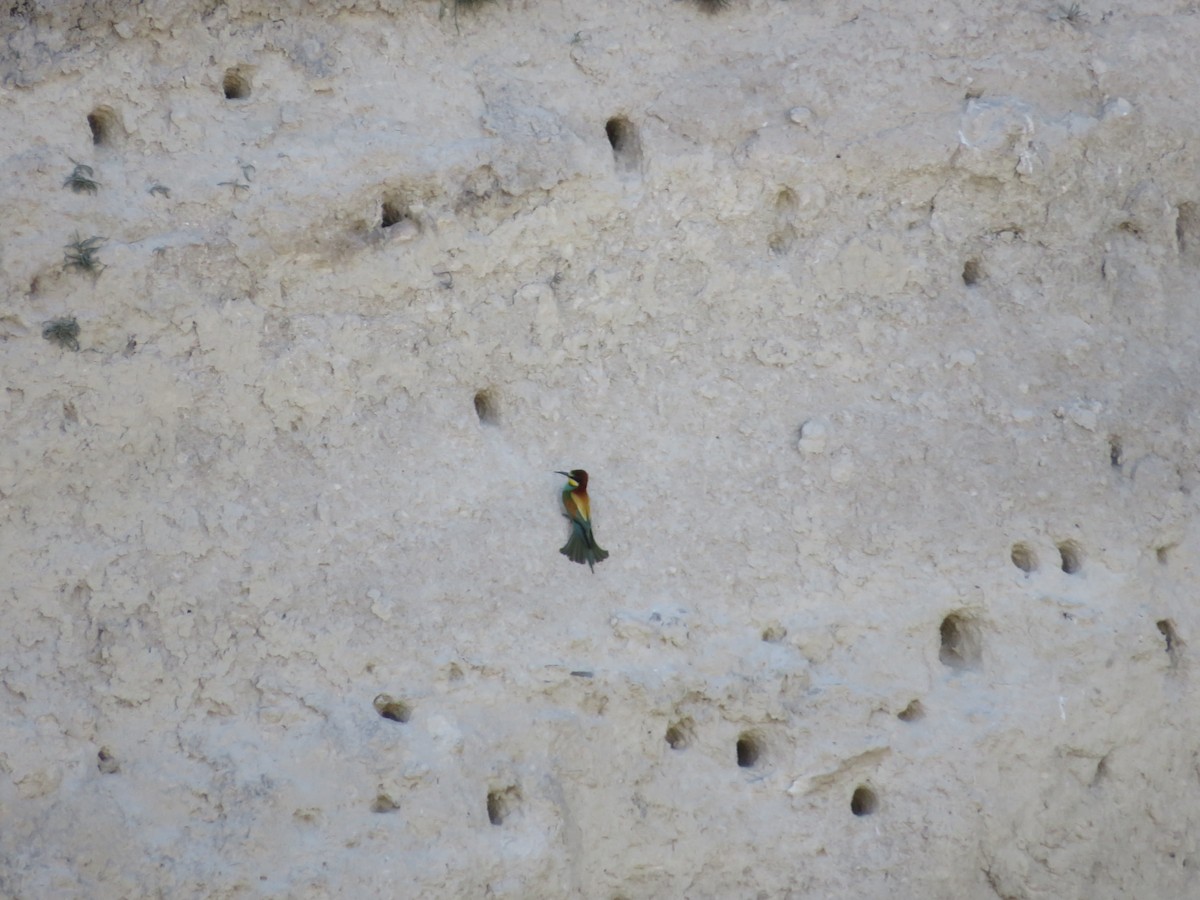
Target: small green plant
{"points": [[80, 180], [81, 255], [161, 189], [64, 332], [1072, 14]]}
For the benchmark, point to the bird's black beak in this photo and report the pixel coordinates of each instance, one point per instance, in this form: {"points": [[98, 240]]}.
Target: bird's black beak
{"points": [[564, 474]]}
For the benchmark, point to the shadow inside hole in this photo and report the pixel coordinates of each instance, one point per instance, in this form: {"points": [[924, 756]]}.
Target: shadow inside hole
{"points": [[749, 750], [1072, 557], [501, 803], [103, 123], [774, 633], [391, 213], [679, 735], [864, 801], [972, 272], [1115, 455], [961, 643], [1163, 554], [486, 408], [235, 85], [395, 213], [786, 203], [781, 242], [384, 804], [1024, 558], [625, 142], [392, 709], [106, 762], [1187, 231], [914, 712], [1174, 644]]}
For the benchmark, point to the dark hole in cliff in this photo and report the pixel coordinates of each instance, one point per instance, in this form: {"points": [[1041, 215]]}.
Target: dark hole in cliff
{"points": [[774, 633], [1174, 645], [103, 124], [625, 143], [962, 646], [971, 273], [864, 801], [106, 762], [500, 804], [1072, 557], [383, 803], [486, 407], [749, 750], [235, 84], [914, 712], [392, 213], [392, 709], [1024, 558], [1115, 453], [679, 735], [1187, 232]]}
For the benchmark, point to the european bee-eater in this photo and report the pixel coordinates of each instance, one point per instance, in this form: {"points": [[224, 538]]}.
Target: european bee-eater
{"points": [[581, 546]]}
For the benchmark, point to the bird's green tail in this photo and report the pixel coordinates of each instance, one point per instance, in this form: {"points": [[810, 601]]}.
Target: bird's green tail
{"points": [[581, 546]]}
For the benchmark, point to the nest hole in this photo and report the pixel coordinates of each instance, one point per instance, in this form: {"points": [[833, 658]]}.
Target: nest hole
{"points": [[104, 125], [914, 712], [1116, 455], [786, 203], [486, 407], [501, 804], [1071, 556], [1166, 628], [864, 801], [384, 803], [679, 735], [236, 84], [1024, 558], [392, 709], [1187, 232], [750, 749], [774, 633], [106, 762], [625, 143], [961, 643], [972, 272], [392, 212]]}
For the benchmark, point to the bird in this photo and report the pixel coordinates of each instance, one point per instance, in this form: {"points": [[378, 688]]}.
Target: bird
{"points": [[581, 546]]}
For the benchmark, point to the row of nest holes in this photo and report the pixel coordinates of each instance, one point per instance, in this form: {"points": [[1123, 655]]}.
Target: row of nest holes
{"points": [[105, 124], [749, 752], [962, 646], [961, 649], [622, 137], [1070, 557], [501, 803]]}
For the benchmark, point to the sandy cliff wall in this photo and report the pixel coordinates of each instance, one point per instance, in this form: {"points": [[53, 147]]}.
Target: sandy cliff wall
{"points": [[876, 325]]}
